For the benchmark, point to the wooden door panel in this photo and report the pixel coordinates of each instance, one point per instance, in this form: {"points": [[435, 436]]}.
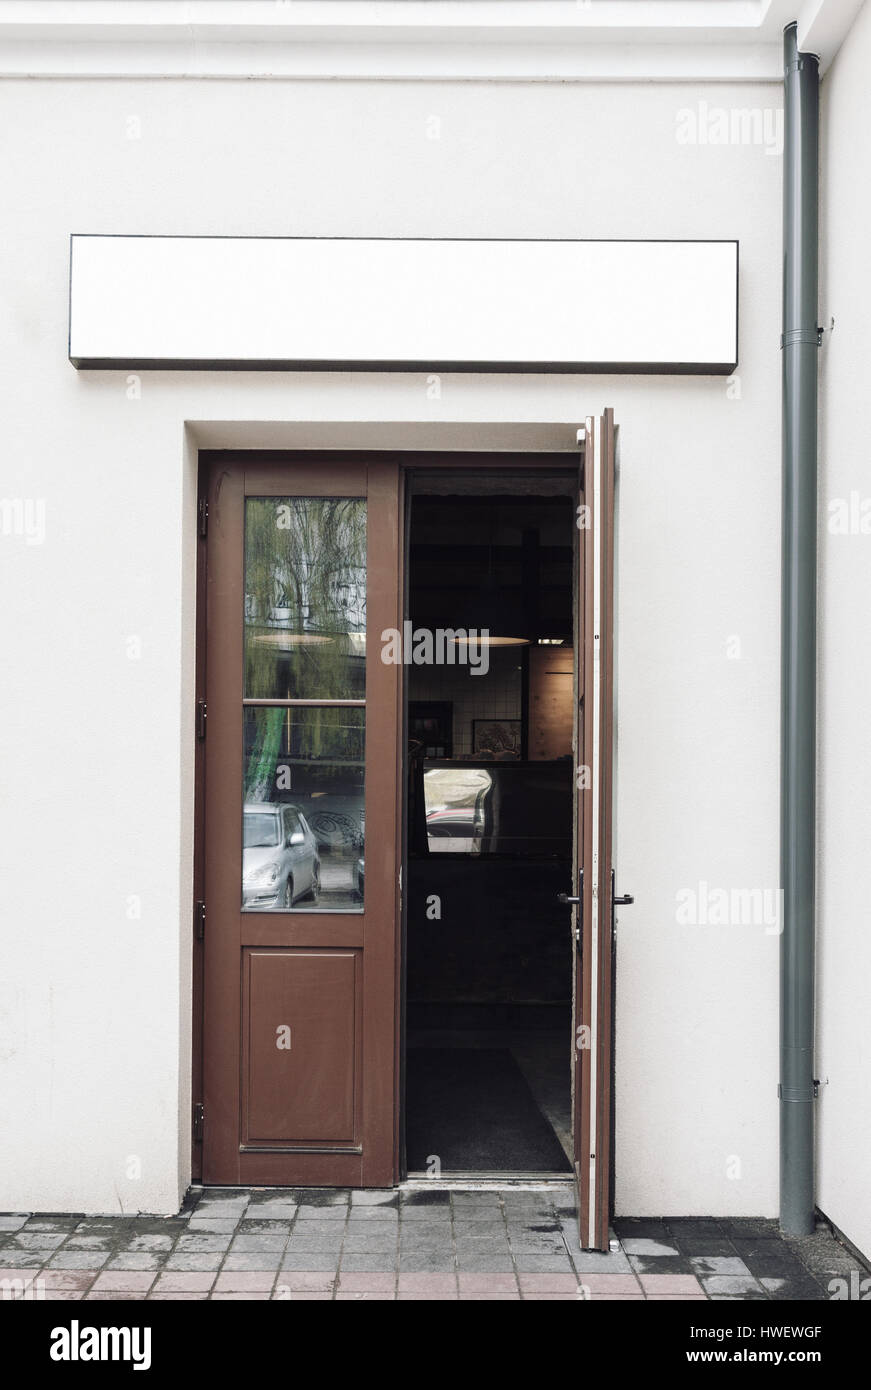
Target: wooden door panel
{"points": [[300, 1047], [300, 742]]}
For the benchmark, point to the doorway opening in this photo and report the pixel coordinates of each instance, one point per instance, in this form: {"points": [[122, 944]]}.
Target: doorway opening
{"points": [[491, 698]]}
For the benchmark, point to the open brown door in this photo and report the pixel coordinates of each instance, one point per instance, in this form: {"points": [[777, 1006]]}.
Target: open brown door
{"points": [[301, 747], [593, 823]]}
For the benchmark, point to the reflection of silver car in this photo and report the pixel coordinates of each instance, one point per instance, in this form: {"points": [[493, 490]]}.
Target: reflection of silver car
{"points": [[280, 861]]}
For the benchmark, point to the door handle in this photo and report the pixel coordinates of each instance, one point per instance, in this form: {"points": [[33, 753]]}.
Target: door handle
{"points": [[566, 898], [619, 901]]}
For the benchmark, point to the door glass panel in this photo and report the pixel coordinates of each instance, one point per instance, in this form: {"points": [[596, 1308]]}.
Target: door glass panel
{"points": [[305, 598], [309, 760]]}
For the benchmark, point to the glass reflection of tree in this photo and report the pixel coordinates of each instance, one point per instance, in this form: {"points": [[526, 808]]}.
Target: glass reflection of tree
{"points": [[305, 625]]}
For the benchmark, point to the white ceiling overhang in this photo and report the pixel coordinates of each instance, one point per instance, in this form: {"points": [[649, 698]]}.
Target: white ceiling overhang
{"points": [[528, 40]]}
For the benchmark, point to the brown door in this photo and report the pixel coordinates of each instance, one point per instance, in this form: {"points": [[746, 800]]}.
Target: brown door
{"points": [[301, 793], [594, 763]]}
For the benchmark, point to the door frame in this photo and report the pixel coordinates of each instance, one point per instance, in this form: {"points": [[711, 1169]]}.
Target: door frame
{"points": [[520, 461]]}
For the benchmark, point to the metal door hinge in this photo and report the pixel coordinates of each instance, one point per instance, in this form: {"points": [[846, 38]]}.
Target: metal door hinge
{"points": [[203, 516], [198, 1121], [201, 719], [199, 919]]}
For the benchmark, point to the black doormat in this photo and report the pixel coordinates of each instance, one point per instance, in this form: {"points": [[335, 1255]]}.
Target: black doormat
{"points": [[473, 1109]]}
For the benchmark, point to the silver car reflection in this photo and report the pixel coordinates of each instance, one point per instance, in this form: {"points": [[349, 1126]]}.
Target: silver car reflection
{"points": [[280, 860]]}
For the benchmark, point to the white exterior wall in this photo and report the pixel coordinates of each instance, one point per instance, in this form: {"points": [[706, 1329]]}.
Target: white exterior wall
{"points": [[844, 811], [97, 749]]}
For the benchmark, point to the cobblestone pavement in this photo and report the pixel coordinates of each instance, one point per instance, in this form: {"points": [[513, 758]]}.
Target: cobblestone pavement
{"points": [[315, 1244]]}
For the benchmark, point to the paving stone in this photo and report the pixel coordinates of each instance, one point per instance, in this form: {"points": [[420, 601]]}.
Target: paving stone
{"points": [[187, 1282], [277, 1211], [803, 1289], [641, 1228], [718, 1264], [38, 1240], [381, 1215], [252, 1261], [484, 1264], [477, 1230], [423, 1262], [767, 1245], [644, 1245], [374, 1198], [314, 1260], [124, 1280], [367, 1261], [309, 1281], [420, 1237], [301, 1242], [324, 1200], [90, 1243], [384, 1243], [178, 1296], [677, 1285], [243, 1281], [704, 1245], [732, 1284], [412, 1201], [695, 1226], [116, 1296], [557, 1282], [79, 1259], [55, 1224], [194, 1262], [363, 1282], [477, 1283], [21, 1259], [664, 1264], [539, 1264], [427, 1283], [426, 1215], [498, 1240], [257, 1243], [221, 1209], [67, 1278], [596, 1283], [782, 1266], [137, 1259], [336, 1212], [202, 1243], [751, 1225], [154, 1243], [12, 1221], [601, 1262], [220, 1225], [527, 1245], [17, 1275]]}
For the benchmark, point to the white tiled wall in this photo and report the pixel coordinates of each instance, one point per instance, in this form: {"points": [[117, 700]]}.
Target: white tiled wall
{"points": [[497, 695]]}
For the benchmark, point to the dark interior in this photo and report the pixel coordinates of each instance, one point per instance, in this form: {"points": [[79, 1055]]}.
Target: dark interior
{"points": [[489, 834]]}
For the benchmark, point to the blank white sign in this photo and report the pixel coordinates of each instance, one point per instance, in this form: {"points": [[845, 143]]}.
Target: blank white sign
{"points": [[276, 302]]}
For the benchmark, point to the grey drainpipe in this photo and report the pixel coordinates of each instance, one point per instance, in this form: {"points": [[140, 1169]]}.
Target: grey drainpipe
{"points": [[800, 343]]}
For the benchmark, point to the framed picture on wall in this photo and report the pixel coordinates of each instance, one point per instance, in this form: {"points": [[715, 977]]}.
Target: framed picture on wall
{"points": [[430, 725], [497, 738]]}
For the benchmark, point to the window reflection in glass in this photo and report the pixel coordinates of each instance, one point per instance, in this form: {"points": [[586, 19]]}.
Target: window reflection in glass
{"points": [[303, 825], [305, 598], [521, 809], [455, 800]]}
